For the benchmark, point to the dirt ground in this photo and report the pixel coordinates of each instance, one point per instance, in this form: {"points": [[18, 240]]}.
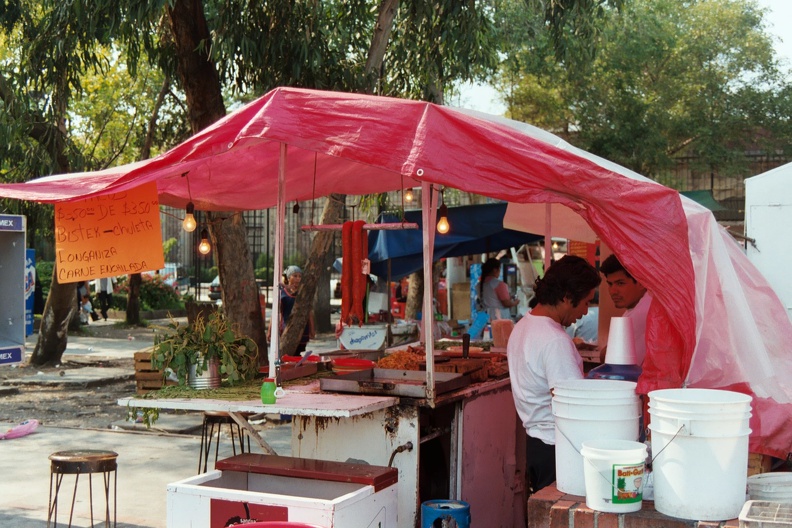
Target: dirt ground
{"points": [[67, 406]]}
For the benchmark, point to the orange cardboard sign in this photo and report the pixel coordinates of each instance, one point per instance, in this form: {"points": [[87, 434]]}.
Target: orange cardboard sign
{"points": [[109, 235]]}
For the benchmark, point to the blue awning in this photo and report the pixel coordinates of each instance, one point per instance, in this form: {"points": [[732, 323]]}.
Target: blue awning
{"points": [[474, 229]]}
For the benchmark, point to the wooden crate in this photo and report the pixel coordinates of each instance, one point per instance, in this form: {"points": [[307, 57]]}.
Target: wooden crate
{"points": [[147, 378]]}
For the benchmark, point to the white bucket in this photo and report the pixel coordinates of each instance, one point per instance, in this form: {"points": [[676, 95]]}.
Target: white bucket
{"points": [[576, 423], [705, 401], [597, 389], [592, 409], [698, 425], [700, 469], [775, 487], [614, 475]]}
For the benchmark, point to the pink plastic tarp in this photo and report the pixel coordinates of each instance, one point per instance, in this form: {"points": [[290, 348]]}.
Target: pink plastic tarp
{"points": [[356, 144]]}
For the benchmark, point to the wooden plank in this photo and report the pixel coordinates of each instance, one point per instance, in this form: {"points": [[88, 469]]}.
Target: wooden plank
{"points": [[147, 376]]}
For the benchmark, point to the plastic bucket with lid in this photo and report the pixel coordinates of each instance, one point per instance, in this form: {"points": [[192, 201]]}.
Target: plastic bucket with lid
{"points": [[775, 487], [614, 475], [699, 468], [586, 410]]}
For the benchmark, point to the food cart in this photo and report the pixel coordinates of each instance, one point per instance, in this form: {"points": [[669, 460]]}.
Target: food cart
{"points": [[708, 323]]}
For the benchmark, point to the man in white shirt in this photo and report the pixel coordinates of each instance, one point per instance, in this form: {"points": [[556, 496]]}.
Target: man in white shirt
{"points": [[541, 354], [627, 293]]}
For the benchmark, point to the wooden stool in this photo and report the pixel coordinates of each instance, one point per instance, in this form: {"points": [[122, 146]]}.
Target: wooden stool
{"points": [[216, 418], [78, 462]]}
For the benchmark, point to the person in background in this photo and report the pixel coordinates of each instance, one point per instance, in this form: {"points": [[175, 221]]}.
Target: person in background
{"points": [[541, 354], [84, 304], [494, 293], [291, 285], [104, 288], [629, 294]]}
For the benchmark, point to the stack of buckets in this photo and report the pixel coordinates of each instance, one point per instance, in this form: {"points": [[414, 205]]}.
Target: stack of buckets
{"points": [[700, 452], [597, 425], [589, 410]]}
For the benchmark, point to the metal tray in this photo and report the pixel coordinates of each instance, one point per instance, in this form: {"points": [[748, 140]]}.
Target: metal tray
{"points": [[408, 383]]}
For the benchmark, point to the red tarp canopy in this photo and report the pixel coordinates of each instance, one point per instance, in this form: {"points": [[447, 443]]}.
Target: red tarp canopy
{"points": [[356, 144]]}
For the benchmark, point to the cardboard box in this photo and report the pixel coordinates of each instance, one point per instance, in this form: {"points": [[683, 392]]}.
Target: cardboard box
{"points": [[460, 300]]}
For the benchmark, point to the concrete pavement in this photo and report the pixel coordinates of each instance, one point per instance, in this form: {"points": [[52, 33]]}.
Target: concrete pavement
{"points": [[148, 460]]}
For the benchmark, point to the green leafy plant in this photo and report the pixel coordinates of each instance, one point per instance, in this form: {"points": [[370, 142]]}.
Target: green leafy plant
{"points": [[182, 346], [155, 294]]}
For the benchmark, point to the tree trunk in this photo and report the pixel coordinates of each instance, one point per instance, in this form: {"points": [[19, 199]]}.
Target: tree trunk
{"points": [[201, 84], [414, 295], [133, 299], [237, 277], [379, 42], [333, 213], [322, 312], [58, 311]]}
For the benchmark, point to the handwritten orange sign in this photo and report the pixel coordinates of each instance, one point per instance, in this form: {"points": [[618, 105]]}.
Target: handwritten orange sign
{"points": [[109, 235]]}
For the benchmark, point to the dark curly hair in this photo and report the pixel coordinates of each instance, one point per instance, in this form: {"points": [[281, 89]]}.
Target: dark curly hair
{"points": [[612, 265], [570, 277]]}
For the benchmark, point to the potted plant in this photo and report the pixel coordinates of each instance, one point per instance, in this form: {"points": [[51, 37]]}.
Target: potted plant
{"points": [[202, 353]]}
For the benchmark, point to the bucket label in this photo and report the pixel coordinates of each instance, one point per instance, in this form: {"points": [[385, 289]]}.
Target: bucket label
{"points": [[628, 481]]}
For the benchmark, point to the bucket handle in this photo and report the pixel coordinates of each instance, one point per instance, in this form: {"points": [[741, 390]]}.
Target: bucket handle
{"points": [[648, 464]]}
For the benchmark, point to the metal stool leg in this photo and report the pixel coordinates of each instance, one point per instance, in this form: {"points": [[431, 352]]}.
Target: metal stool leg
{"points": [[74, 497], [90, 496]]}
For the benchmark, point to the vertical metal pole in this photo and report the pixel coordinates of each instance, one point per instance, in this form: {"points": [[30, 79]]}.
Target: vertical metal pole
{"points": [[548, 241], [429, 217], [274, 354]]}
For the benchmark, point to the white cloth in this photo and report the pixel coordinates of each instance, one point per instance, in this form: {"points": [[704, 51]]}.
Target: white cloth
{"points": [[637, 316], [540, 354], [490, 301], [104, 285]]}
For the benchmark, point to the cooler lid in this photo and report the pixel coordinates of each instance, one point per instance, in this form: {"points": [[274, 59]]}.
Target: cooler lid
{"points": [[378, 476]]}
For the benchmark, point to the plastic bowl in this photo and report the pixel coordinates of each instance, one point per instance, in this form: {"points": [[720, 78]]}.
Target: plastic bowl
{"points": [[352, 364], [313, 358]]}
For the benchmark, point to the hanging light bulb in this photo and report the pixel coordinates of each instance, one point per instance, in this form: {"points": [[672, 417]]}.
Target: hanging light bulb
{"points": [[189, 224], [555, 246], [296, 208], [408, 195], [204, 247], [442, 224]]}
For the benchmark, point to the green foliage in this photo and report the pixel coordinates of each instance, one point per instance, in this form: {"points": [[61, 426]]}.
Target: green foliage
{"points": [[154, 294], [168, 245], [196, 344], [700, 81], [44, 273]]}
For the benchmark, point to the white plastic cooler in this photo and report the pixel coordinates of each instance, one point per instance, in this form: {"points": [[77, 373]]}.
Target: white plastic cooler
{"points": [[273, 488]]}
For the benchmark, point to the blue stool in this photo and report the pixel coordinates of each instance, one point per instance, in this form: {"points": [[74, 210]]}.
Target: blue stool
{"points": [[445, 513]]}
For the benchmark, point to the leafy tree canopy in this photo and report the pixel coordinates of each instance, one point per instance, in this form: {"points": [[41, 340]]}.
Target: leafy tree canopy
{"points": [[699, 78]]}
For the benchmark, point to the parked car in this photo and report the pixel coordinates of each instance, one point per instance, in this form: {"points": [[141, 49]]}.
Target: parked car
{"points": [[215, 291]]}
